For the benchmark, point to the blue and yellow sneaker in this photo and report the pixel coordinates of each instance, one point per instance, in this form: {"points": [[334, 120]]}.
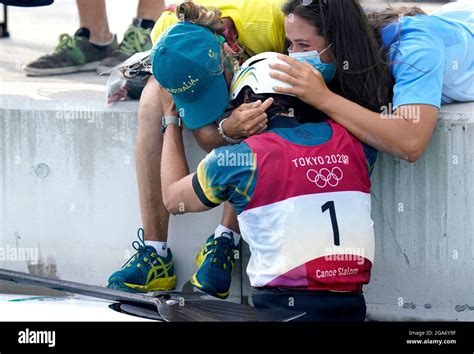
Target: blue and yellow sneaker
{"points": [[216, 262], [145, 271]]}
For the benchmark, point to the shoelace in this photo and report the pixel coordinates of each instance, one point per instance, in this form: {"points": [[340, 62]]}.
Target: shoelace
{"points": [[65, 42], [140, 247], [133, 41]]}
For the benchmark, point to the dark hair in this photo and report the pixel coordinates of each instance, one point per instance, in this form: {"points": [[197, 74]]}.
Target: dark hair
{"points": [[281, 104], [363, 73]]}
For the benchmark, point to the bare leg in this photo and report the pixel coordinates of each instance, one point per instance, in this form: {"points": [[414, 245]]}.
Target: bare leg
{"points": [[150, 9], [229, 218], [93, 16], [155, 217]]}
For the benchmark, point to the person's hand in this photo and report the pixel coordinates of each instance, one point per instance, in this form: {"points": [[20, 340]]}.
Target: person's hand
{"points": [[228, 50], [248, 119], [306, 81], [167, 103]]}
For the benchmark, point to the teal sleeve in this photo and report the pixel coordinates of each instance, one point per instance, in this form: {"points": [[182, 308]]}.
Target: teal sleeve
{"points": [[227, 174]]}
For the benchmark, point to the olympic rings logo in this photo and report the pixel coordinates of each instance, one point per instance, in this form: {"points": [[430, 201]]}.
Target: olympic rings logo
{"points": [[324, 177]]}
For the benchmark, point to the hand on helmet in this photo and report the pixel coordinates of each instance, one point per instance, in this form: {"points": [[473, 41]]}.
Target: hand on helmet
{"points": [[248, 119]]}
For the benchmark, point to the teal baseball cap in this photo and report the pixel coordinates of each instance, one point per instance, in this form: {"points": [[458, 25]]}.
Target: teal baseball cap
{"points": [[187, 62]]}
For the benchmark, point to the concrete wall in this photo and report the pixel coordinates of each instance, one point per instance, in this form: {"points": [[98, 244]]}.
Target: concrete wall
{"points": [[68, 190], [424, 263]]}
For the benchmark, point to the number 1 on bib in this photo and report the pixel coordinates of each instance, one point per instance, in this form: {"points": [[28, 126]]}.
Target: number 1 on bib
{"points": [[335, 228]]}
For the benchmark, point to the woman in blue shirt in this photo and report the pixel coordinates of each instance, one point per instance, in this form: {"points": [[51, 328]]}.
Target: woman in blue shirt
{"points": [[431, 61]]}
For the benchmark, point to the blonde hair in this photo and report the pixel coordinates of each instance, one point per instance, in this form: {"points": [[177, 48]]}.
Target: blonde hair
{"points": [[210, 18], [191, 12]]}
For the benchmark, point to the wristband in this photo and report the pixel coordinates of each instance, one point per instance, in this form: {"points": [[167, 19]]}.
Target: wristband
{"points": [[166, 120], [223, 134]]}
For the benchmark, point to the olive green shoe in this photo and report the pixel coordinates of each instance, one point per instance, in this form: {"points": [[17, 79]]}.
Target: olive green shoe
{"points": [[135, 40], [73, 54]]}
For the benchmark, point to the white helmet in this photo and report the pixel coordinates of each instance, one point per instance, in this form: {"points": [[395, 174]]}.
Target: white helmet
{"points": [[255, 73]]}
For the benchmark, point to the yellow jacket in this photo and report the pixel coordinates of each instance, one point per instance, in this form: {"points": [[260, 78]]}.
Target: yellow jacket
{"points": [[259, 23]]}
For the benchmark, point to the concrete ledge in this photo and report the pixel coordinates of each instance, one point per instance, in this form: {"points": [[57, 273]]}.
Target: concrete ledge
{"points": [[458, 112], [69, 96]]}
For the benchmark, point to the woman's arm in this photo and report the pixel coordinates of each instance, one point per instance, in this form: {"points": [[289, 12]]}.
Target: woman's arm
{"points": [[405, 133], [209, 138], [246, 120]]}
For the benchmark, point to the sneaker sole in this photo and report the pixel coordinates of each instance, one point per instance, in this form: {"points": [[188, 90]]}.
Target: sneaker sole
{"points": [[208, 290], [122, 287], [61, 71], [161, 284]]}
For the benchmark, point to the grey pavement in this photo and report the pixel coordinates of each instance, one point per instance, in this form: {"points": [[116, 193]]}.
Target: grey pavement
{"points": [[34, 32]]}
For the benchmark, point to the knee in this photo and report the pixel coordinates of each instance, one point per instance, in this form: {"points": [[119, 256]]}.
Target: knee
{"points": [[149, 107]]}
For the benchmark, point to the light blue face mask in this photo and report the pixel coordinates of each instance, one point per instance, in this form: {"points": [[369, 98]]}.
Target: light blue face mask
{"points": [[328, 70]]}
